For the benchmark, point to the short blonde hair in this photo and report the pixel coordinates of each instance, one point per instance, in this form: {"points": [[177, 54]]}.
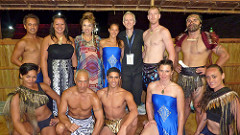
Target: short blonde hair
{"points": [[130, 13], [154, 7]]}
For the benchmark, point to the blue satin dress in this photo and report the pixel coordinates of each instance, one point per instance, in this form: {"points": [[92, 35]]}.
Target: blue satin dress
{"points": [[111, 58], [165, 114]]}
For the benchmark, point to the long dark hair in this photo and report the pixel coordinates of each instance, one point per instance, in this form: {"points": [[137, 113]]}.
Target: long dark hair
{"points": [[209, 91], [217, 67], [52, 31]]}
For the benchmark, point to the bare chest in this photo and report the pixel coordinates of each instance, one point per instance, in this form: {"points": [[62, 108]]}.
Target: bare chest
{"points": [[165, 90], [152, 39], [194, 47], [110, 44], [32, 46], [113, 102], [79, 103]]}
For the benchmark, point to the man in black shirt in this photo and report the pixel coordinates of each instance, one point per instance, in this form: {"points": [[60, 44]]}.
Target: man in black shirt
{"points": [[132, 61]]}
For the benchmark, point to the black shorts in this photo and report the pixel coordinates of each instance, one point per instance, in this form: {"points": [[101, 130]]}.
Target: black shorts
{"points": [[45, 123], [205, 131]]}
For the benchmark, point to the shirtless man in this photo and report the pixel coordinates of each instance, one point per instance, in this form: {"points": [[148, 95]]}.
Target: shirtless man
{"points": [[80, 100], [196, 47], [114, 100], [29, 46], [156, 39]]}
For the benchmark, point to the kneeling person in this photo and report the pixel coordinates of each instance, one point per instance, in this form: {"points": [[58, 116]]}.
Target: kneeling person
{"points": [[80, 100], [114, 100]]}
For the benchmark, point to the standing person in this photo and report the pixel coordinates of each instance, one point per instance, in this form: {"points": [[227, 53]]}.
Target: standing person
{"points": [[221, 105], [115, 100], [88, 53], [80, 100], [58, 59], [28, 48], [196, 47], [132, 60], [165, 104], [26, 107], [157, 39], [112, 51]]}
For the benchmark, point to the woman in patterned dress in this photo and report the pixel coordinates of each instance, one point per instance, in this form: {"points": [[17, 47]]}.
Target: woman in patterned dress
{"points": [[87, 50]]}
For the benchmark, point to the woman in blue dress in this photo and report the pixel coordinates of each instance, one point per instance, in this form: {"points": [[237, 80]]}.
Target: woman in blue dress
{"points": [[111, 50], [164, 104]]}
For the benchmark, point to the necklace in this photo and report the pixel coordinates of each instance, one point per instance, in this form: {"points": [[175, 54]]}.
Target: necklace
{"points": [[60, 41], [152, 30], [193, 39], [165, 87]]}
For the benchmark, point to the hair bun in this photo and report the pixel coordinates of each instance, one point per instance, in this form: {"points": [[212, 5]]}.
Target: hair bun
{"points": [[88, 15]]}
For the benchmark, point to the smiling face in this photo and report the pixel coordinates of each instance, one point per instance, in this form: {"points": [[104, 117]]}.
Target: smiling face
{"points": [[87, 27], [193, 23], [129, 21], [113, 79], [30, 78], [31, 25], [113, 30], [59, 25], [165, 72], [214, 78]]}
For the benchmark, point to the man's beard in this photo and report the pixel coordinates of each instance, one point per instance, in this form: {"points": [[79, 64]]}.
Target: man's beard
{"points": [[193, 27]]}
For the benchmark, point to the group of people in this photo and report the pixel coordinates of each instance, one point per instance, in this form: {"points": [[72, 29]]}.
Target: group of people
{"points": [[90, 85]]}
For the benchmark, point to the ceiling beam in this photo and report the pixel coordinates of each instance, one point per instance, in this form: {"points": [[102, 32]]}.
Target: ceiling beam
{"points": [[225, 0], [183, 10], [152, 2]]}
